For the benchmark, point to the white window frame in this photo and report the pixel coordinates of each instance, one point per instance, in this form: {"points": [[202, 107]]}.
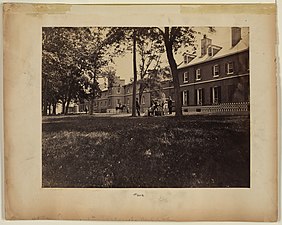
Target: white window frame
{"points": [[210, 51], [200, 100], [215, 99], [215, 72], [184, 97], [198, 74], [185, 77], [185, 59], [229, 67]]}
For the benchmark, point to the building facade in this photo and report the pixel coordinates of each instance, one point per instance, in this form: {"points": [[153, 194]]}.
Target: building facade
{"points": [[215, 80], [218, 79]]}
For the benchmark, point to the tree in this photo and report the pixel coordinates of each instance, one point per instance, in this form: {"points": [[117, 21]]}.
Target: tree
{"points": [[174, 38], [150, 49], [73, 59]]}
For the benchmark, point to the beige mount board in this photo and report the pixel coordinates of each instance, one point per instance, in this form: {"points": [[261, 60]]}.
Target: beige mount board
{"points": [[24, 197]]}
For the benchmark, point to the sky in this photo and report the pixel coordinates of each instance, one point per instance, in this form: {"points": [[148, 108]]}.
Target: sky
{"points": [[222, 36]]}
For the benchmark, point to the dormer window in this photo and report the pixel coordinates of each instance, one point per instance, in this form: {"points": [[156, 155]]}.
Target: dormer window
{"points": [[210, 51], [185, 77], [185, 59], [198, 74], [213, 49], [188, 58]]}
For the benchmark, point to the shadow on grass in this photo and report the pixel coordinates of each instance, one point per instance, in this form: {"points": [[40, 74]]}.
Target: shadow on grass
{"points": [[191, 151]]}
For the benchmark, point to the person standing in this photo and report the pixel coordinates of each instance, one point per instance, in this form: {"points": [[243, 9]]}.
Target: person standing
{"points": [[169, 103], [137, 107]]}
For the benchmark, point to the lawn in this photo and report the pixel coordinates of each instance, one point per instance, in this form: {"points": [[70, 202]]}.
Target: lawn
{"points": [[191, 151]]}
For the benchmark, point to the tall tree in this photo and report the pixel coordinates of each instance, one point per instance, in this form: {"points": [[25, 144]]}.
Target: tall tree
{"points": [[73, 52], [150, 49], [174, 38]]}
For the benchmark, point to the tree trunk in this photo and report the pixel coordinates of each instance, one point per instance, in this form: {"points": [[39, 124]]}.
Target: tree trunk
{"points": [[91, 106], [54, 108], [49, 109], [45, 102], [134, 75], [63, 107], [67, 106], [173, 66]]}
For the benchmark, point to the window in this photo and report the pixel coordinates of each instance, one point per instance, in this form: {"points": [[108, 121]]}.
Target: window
{"points": [[127, 101], [185, 77], [143, 100], [185, 98], [215, 70], [210, 51], [200, 96], [198, 74], [109, 102], [128, 90], [216, 95], [185, 59], [230, 68], [110, 91], [118, 90], [118, 101]]}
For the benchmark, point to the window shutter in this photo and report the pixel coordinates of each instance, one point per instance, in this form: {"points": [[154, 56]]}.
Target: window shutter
{"points": [[212, 70], [187, 98], [219, 94], [218, 69], [203, 96], [195, 97], [226, 68], [181, 94], [211, 96]]}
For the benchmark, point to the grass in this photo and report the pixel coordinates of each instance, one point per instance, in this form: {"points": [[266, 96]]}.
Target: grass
{"points": [[192, 151]]}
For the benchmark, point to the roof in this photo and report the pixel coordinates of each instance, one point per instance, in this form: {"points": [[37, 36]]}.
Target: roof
{"points": [[225, 50]]}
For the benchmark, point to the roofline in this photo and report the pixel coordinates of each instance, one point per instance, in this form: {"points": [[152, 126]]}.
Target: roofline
{"points": [[247, 49]]}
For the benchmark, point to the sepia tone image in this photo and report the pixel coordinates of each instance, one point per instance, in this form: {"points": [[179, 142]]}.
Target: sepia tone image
{"points": [[145, 107]]}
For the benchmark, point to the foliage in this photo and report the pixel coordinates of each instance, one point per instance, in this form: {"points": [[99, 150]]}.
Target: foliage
{"points": [[73, 58]]}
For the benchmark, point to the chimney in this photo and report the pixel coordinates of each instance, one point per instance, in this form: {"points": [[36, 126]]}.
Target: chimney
{"points": [[235, 35], [205, 42]]}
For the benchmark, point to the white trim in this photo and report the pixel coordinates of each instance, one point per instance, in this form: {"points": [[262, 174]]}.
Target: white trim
{"points": [[199, 90], [228, 64], [197, 75], [213, 58], [213, 70], [186, 77], [210, 81], [185, 97]]}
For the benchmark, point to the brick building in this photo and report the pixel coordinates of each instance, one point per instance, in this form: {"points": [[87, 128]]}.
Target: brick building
{"points": [[218, 78], [214, 80]]}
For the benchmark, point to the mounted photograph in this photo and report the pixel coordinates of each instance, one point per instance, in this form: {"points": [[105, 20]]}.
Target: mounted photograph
{"points": [[164, 112], [145, 107]]}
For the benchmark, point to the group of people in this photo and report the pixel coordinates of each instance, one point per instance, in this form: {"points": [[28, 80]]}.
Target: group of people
{"points": [[159, 109]]}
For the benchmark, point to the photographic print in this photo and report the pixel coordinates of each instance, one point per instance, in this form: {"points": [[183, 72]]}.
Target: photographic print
{"points": [[164, 112], [145, 107]]}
